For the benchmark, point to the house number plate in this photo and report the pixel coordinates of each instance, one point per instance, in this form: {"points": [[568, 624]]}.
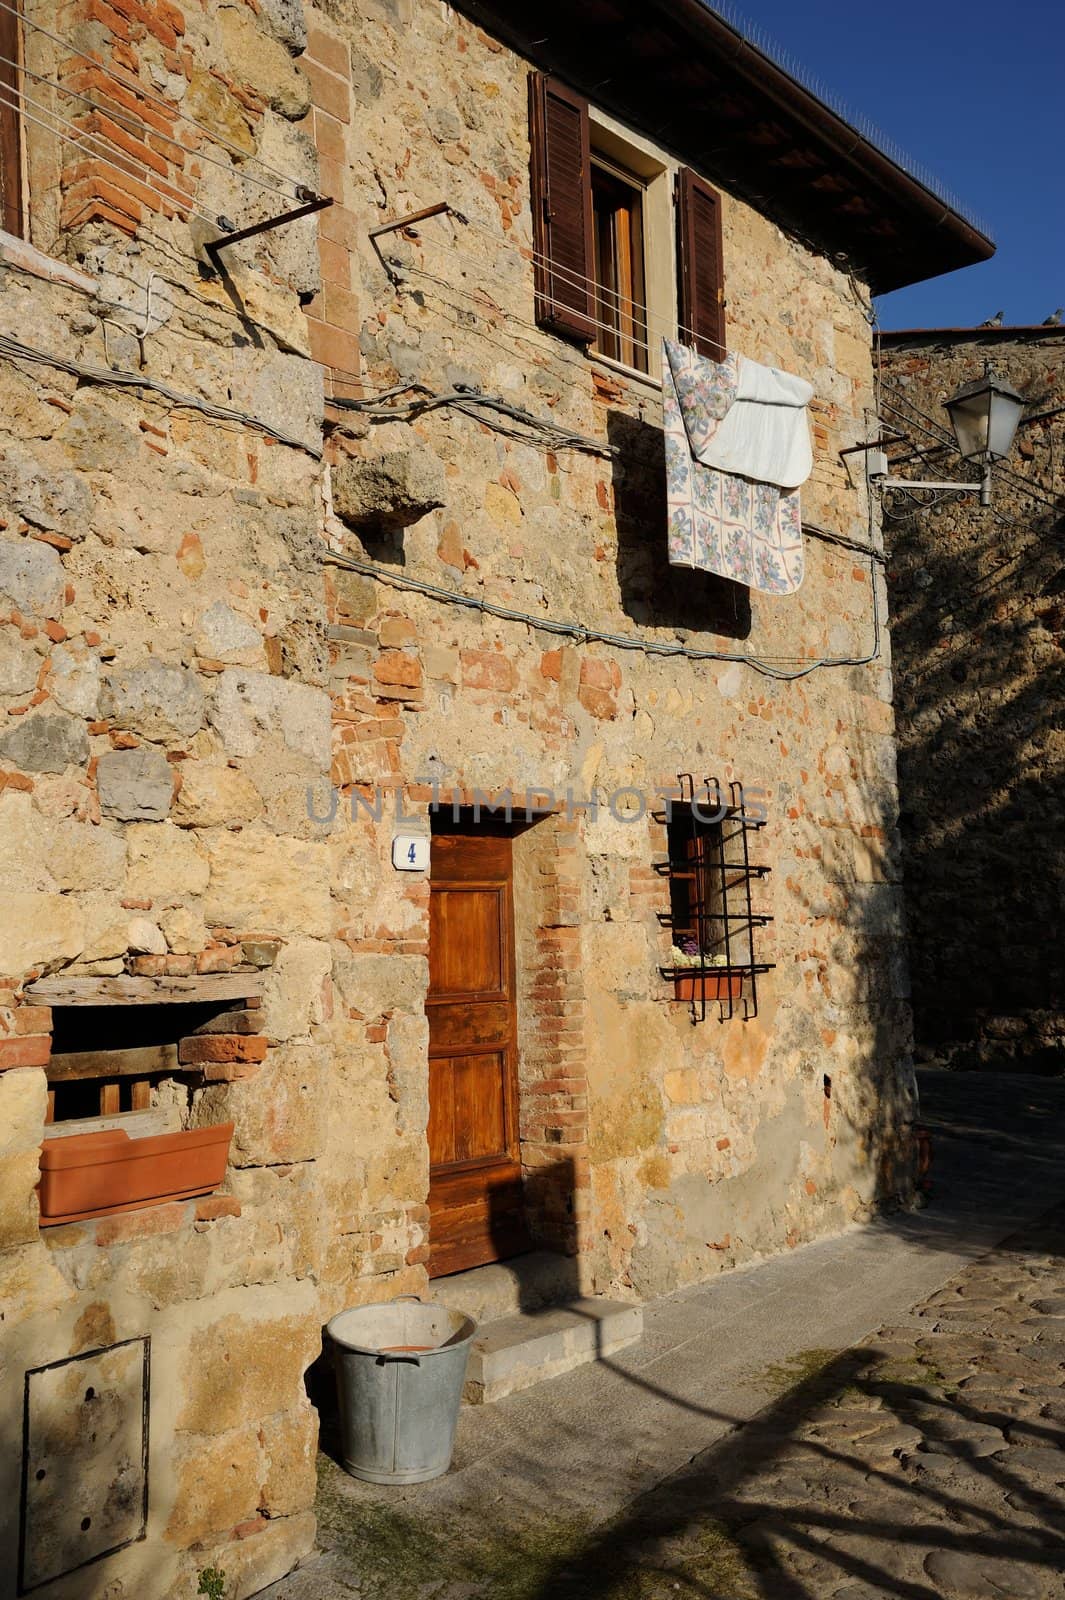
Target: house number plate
{"points": [[410, 852]]}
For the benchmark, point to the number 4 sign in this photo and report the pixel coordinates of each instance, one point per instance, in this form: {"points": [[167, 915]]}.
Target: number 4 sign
{"points": [[410, 852]]}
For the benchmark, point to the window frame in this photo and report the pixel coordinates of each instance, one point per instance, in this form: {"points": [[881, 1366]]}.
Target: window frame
{"points": [[621, 332], [12, 151], [681, 216]]}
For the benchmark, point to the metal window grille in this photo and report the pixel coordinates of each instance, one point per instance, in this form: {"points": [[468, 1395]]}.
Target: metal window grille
{"points": [[711, 912]]}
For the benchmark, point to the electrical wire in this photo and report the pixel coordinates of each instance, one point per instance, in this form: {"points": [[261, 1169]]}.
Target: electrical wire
{"points": [[133, 86], [466, 398], [16, 351], [620, 641]]}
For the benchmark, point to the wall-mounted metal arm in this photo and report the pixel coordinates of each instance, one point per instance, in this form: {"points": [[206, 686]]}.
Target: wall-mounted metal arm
{"points": [[316, 203], [877, 473], [441, 207]]}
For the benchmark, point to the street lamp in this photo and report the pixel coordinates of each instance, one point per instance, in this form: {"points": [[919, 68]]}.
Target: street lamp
{"points": [[984, 415]]}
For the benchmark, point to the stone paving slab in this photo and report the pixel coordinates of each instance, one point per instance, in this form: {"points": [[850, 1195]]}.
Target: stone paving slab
{"points": [[880, 1414]]}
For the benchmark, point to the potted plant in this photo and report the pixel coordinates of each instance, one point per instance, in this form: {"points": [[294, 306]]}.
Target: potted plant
{"points": [[695, 977], [96, 1174]]}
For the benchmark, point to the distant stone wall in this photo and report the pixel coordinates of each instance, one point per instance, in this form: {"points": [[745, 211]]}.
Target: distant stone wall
{"points": [[978, 623]]}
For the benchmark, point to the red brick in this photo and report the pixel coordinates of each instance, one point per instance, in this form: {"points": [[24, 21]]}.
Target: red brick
{"points": [[215, 1206], [33, 1051], [149, 966], [204, 1047], [328, 51], [127, 1225], [396, 668], [329, 92], [486, 669], [33, 1019], [219, 960]]}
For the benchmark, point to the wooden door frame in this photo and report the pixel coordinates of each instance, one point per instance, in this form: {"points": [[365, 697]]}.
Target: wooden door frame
{"points": [[469, 1180]]}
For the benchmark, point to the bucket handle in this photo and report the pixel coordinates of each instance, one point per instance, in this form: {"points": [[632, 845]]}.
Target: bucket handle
{"points": [[418, 1301]]}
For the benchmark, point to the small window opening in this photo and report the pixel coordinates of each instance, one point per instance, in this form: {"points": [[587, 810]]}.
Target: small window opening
{"points": [[115, 1061], [711, 917], [620, 292]]}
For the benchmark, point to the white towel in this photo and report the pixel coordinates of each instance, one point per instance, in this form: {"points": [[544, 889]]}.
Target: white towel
{"points": [[765, 434]]}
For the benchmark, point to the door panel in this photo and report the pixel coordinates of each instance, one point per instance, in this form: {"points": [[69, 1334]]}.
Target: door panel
{"points": [[466, 940], [475, 1193]]}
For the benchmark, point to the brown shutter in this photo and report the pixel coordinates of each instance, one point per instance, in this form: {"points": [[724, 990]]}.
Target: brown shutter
{"points": [[10, 132], [561, 207], [702, 273]]}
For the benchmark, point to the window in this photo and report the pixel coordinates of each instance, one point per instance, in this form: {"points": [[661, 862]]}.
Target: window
{"points": [[620, 298], [711, 917], [10, 125], [600, 261]]}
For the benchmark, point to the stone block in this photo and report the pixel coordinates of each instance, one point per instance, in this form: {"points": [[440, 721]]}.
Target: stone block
{"points": [[216, 1480], [19, 664], [74, 681], [23, 843], [31, 577], [278, 1114], [166, 863], [289, 1443], [215, 796], [135, 785], [46, 742], [293, 989], [263, 64], [389, 491], [45, 930], [23, 1101], [287, 21], [154, 700], [241, 1370], [270, 884], [524, 1349], [226, 636], [249, 706], [85, 856]]}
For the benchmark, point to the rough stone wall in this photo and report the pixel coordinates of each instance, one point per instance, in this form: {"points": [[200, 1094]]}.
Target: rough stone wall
{"points": [[661, 1151], [163, 706], [978, 605]]}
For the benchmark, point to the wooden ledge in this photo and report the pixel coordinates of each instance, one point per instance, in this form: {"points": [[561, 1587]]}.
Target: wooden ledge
{"points": [[206, 988]]}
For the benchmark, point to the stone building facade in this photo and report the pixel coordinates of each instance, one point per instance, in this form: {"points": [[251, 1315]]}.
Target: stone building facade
{"points": [[978, 612], [278, 584]]}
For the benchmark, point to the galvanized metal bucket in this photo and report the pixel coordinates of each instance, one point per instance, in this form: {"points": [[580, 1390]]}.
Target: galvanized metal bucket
{"points": [[400, 1368]]}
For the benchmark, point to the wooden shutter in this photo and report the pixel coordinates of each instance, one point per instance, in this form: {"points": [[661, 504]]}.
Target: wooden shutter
{"points": [[702, 273], [10, 131], [561, 207]]}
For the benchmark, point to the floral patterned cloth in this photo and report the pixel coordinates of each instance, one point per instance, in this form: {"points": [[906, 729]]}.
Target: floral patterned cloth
{"points": [[750, 532]]}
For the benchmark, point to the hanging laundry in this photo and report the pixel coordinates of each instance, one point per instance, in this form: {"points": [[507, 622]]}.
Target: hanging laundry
{"points": [[737, 449]]}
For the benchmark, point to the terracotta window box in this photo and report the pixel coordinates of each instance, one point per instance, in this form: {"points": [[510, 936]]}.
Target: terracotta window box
{"points": [[97, 1174], [707, 985]]}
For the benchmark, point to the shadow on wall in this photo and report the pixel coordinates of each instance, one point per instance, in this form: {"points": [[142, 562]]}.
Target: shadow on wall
{"points": [[653, 593], [979, 627]]}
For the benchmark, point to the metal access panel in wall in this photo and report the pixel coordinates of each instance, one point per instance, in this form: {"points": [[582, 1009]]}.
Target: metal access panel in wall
{"points": [[84, 1460]]}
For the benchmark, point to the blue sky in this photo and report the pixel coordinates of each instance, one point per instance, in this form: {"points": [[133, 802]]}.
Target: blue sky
{"points": [[975, 92]]}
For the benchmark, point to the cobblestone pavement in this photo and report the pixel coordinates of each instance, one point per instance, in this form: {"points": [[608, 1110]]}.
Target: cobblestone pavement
{"points": [[928, 1461], [925, 1462]]}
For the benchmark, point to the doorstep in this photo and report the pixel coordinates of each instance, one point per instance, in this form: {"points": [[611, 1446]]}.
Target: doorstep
{"points": [[532, 1323]]}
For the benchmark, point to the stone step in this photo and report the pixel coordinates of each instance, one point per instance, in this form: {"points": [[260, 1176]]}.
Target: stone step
{"points": [[517, 1351], [524, 1283]]}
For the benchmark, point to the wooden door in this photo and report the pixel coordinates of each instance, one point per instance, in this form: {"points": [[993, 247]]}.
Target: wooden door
{"points": [[475, 1196]]}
